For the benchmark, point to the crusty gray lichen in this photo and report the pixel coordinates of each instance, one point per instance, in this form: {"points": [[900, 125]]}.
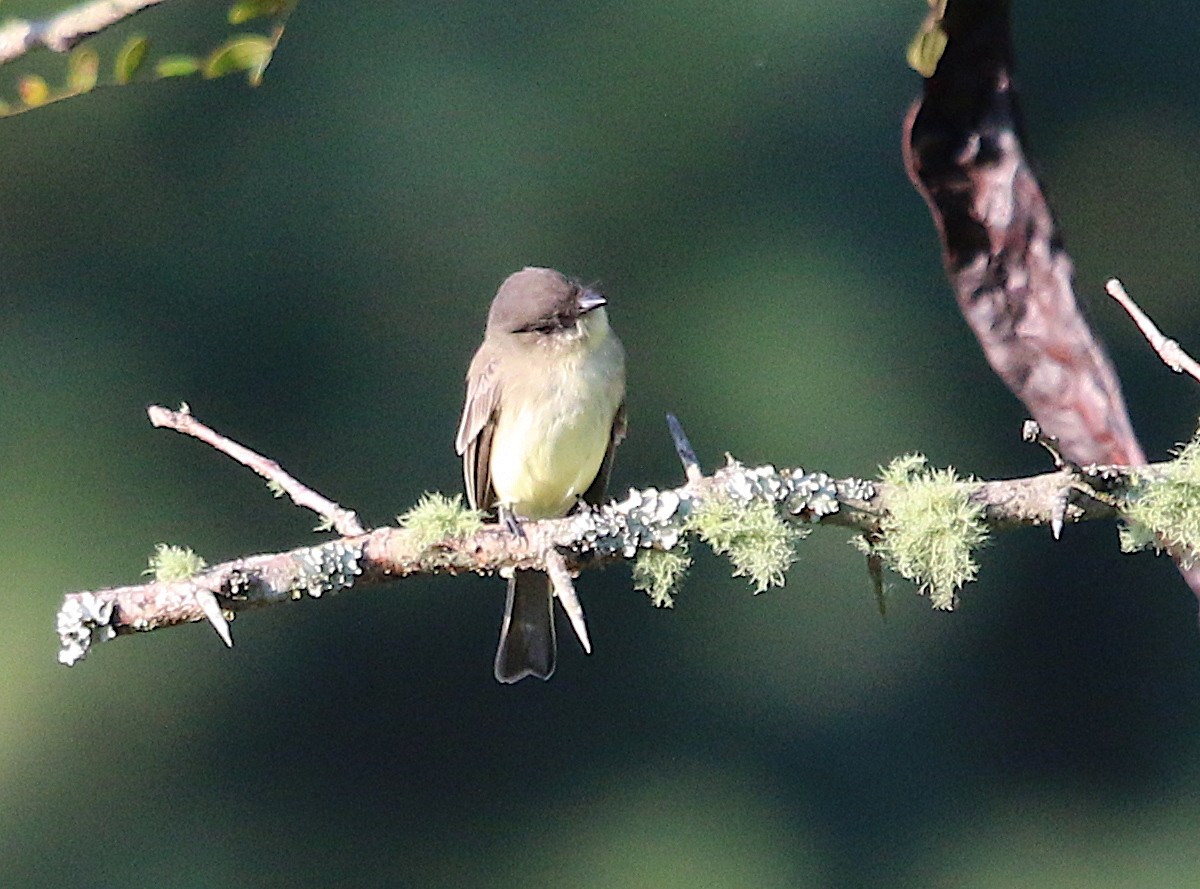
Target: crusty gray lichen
{"points": [[329, 568], [644, 519], [807, 495], [83, 620], [654, 519]]}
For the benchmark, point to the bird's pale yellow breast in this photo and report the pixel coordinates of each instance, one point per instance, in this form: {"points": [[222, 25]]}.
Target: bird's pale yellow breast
{"points": [[555, 420]]}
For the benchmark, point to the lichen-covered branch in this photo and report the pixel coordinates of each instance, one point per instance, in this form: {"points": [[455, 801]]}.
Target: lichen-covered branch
{"points": [[247, 50], [648, 520]]}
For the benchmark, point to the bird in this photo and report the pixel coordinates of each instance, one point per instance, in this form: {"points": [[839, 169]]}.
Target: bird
{"points": [[544, 412]]}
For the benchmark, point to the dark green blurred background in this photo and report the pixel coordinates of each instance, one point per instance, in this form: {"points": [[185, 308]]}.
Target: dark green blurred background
{"points": [[309, 266]]}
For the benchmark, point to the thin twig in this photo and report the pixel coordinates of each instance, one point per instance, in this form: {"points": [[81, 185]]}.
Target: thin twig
{"points": [[1031, 431], [344, 521], [1171, 353]]}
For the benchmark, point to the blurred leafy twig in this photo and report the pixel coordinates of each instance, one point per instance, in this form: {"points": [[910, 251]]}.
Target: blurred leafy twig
{"points": [[68, 32]]}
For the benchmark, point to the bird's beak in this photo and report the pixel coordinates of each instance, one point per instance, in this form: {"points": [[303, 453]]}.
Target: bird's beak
{"points": [[589, 300]]}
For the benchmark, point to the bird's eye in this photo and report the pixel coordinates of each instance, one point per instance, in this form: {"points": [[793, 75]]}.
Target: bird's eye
{"points": [[551, 324]]}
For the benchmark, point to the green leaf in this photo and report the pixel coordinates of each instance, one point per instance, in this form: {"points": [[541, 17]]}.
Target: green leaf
{"points": [[925, 50], [83, 69], [176, 66], [250, 53], [245, 10], [130, 58], [34, 90]]}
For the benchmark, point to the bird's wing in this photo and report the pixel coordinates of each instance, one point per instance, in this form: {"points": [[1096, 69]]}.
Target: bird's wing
{"points": [[474, 440]]}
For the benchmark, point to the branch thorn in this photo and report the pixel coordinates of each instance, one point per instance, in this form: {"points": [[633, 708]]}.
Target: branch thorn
{"points": [[1058, 515], [564, 591], [683, 447], [212, 611]]}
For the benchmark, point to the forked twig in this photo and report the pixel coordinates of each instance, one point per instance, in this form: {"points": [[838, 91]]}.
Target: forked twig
{"points": [[344, 521]]}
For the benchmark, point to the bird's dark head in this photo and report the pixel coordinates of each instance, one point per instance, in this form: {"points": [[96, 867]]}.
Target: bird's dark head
{"points": [[542, 301]]}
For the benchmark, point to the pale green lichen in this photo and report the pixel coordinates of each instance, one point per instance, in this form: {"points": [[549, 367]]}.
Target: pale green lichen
{"points": [[437, 517], [1133, 537], [660, 573], [932, 529], [760, 545], [1164, 511], [171, 563]]}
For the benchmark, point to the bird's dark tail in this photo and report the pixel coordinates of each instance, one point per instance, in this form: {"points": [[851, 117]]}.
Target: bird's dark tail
{"points": [[527, 646]]}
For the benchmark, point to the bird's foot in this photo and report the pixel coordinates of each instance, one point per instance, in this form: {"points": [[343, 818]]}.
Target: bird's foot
{"points": [[511, 523]]}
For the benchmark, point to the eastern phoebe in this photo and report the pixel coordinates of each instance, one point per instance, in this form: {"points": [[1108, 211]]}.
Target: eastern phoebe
{"points": [[545, 409]]}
